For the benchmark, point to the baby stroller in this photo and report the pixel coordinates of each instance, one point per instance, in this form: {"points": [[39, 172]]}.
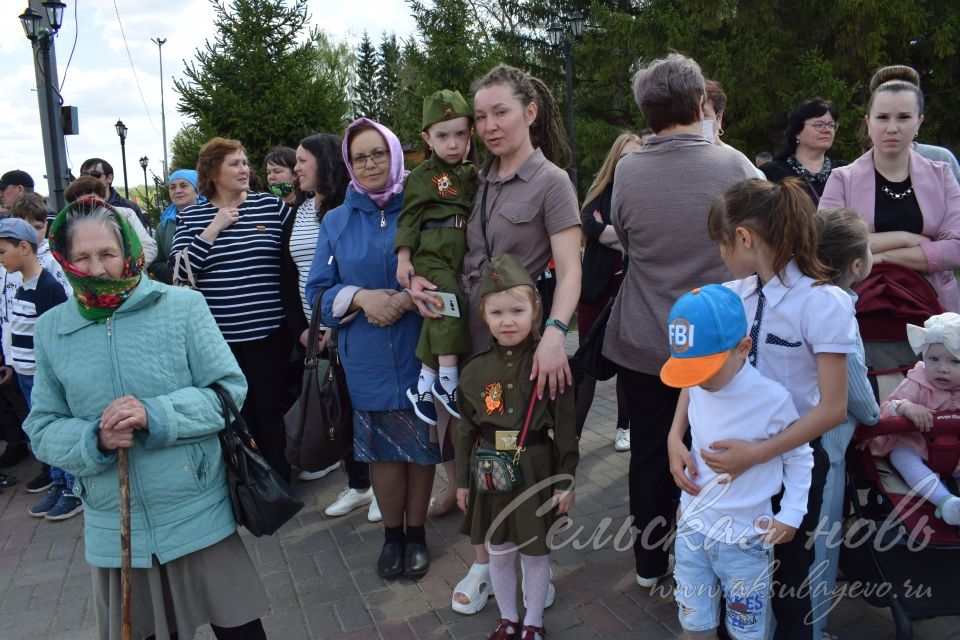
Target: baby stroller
{"points": [[897, 554]]}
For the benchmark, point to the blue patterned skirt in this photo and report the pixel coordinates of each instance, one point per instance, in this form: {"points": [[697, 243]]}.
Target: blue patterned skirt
{"points": [[394, 436]]}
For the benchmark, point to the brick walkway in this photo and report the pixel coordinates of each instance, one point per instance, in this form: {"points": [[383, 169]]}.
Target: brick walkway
{"points": [[320, 572]]}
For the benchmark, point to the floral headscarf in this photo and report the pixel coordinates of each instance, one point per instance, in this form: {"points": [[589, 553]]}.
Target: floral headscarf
{"points": [[98, 297], [397, 173]]}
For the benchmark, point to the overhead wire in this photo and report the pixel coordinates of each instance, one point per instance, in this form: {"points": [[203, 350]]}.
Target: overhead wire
{"points": [[135, 77], [76, 33]]}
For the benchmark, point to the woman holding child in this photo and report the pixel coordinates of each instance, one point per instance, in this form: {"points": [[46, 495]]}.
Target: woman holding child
{"points": [[526, 207]]}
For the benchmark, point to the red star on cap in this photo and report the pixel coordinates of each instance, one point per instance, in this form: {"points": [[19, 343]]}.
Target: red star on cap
{"points": [[447, 112]]}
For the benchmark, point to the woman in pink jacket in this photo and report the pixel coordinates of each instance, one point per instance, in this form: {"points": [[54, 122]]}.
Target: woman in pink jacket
{"points": [[911, 204]]}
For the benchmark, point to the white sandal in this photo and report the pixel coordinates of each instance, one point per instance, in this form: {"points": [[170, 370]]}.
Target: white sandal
{"points": [[551, 590], [476, 586]]}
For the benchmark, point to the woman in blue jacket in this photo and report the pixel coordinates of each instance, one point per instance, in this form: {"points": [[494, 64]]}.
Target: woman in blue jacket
{"points": [[354, 270], [103, 383]]}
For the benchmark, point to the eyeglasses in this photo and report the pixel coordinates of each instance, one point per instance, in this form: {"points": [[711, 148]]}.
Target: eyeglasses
{"points": [[820, 125], [379, 156], [92, 174]]}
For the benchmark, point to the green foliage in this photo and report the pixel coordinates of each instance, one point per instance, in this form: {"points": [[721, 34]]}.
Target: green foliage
{"points": [[365, 103], [265, 79], [388, 81], [185, 147]]}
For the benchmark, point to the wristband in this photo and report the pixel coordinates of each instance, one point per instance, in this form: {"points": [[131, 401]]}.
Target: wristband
{"points": [[556, 324]]}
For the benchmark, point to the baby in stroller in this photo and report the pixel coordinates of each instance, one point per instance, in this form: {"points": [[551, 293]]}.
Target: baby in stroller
{"points": [[932, 385]]}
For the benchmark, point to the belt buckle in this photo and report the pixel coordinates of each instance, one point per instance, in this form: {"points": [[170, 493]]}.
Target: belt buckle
{"points": [[506, 440], [460, 222]]}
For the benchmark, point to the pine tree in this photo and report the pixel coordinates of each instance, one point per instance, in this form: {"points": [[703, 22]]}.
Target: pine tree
{"points": [[365, 99], [261, 81], [388, 81]]}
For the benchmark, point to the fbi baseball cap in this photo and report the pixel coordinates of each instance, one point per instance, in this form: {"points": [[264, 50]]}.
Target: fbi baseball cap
{"points": [[703, 326]]}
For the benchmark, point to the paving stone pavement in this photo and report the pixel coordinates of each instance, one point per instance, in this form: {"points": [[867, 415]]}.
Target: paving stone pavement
{"points": [[321, 577]]}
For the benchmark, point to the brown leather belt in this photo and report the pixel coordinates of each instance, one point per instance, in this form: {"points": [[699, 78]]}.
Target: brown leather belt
{"points": [[453, 222]]}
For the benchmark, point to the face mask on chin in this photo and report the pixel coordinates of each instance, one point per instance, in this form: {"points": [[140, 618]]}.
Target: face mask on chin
{"points": [[706, 129], [281, 190]]}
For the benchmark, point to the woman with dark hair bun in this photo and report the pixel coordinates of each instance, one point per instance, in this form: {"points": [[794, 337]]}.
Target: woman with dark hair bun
{"points": [[810, 132]]}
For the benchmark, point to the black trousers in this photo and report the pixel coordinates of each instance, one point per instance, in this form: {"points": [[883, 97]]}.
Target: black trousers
{"points": [[264, 364], [653, 495], [252, 630], [13, 411], [791, 602]]}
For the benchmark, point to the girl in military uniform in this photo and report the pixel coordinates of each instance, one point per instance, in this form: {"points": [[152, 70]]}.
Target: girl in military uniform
{"points": [[497, 405]]}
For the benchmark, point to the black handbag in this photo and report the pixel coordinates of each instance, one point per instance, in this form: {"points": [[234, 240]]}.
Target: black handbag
{"points": [[319, 425], [589, 356], [262, 501]]}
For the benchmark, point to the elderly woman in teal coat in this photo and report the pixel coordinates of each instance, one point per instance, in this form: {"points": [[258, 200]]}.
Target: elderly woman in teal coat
{"points": [[128, 363]]}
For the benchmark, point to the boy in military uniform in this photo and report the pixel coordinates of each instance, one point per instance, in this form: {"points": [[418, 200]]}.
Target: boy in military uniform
{"points": [[431, 242], [497, 406]]}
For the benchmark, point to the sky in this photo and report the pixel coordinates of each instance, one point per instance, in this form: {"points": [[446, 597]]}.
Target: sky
{"points": [[100, 80]]}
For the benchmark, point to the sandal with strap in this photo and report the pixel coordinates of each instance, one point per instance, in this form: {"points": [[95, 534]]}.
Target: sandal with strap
{"points": [[530, 632], [506, 630], [476, 586]]}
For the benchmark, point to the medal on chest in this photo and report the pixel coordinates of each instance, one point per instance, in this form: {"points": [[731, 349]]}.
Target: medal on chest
{"points": [[445, 187], [493, 398]]}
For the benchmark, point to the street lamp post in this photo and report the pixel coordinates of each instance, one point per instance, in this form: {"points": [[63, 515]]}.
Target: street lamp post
{"points": [[560, 39], [163, 112], [122, 132], [41, 36], [143, 163]]}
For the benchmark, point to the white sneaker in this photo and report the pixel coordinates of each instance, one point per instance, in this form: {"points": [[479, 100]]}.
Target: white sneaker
{"points": [[348, 500], [622, 441], [373, 513], [307, 476], [649, 583]]}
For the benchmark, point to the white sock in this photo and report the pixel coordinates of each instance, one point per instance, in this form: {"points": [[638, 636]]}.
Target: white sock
{"points": [[918, 475], [425, 383], [536, 572], [503, 576], [449, 378], [950, 510]]}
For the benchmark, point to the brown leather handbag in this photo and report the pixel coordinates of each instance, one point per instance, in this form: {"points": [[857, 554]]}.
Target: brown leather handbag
{"points": [[319, 425]]}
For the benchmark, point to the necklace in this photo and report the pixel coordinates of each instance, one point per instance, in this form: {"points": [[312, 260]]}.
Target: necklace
{"points": [[820, 176], [890, 193]]}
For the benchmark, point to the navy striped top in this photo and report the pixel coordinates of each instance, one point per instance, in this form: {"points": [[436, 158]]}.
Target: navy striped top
{"points": [[239, 272]]}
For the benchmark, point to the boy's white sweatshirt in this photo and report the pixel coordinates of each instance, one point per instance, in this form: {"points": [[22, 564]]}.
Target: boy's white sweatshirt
{"points": [[751, 408]]}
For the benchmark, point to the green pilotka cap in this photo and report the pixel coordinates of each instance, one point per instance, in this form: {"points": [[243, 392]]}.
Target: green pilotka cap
{"points": [[444, 105], [502, 273]]}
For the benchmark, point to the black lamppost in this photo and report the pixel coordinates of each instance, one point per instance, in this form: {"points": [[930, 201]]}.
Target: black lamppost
{"points": [[560, 38], [42, 39], [122, 132], [143, 163]]}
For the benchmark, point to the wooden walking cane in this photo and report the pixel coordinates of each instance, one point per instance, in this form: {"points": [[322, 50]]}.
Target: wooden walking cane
{"points": [[125, 560]]}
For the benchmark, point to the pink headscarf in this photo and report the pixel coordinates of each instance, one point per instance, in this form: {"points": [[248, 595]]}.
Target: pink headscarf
{"points": [[397, 173]]}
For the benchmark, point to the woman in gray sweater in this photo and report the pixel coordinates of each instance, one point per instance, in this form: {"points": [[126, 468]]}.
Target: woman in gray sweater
{"points": [[661, 198]]}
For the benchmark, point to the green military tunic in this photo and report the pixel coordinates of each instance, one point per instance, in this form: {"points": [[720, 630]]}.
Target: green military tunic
{"points": [[494, 393], [435, 191]]}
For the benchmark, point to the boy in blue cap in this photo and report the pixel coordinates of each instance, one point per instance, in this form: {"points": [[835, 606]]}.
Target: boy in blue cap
{"points": [[38, 292], [724, 532]]}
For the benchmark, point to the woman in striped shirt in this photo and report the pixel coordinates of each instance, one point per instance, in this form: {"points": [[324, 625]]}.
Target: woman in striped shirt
{"points": [[234, 247]]}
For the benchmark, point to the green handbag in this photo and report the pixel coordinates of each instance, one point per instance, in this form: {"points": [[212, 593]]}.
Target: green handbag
{"points": [[497, 471]]}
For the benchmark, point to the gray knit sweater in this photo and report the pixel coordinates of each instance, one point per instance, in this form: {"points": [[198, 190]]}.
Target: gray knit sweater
{"points": [[661, 198]]}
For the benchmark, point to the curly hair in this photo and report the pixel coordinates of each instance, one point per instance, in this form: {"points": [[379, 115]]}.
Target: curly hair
{"points": [[546, 132], [332, 177]]}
